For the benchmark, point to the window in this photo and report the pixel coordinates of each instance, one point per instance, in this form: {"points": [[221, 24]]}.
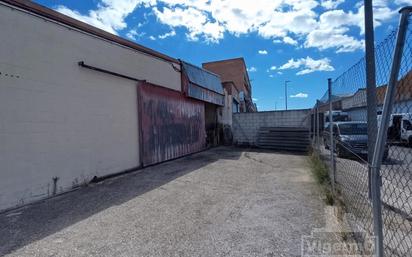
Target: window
{"points": [[354, 129]]}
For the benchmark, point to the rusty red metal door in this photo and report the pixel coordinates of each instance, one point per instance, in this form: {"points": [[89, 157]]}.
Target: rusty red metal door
{"points": [[171, 125]]}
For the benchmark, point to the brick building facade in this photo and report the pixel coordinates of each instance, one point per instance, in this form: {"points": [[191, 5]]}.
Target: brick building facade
{"points": [[234, 70]]}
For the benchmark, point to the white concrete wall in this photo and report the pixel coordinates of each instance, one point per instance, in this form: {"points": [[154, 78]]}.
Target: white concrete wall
{"points": [[246, 125], [357, 100], [360, 114], [357, 114], [58, 119], [225, 112]]}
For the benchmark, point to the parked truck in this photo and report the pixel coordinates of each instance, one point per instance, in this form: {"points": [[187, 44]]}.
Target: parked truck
{"points": [[400, 128]]}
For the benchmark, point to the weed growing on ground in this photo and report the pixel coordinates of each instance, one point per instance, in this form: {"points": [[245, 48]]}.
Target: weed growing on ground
{"points": [[321, 174]]}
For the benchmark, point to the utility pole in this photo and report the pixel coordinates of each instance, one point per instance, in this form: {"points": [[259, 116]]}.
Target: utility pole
{"points": [[286, 93]]}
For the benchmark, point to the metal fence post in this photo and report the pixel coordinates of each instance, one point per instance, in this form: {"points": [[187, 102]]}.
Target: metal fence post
{"points": [[370, 84], [332, 141], [314, 126], [317, 126], [383, 128]]}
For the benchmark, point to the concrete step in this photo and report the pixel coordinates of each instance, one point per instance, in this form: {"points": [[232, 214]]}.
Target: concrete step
{"points": [[288, 129], [284, 142], [284, 134], [284, 138], [285, 148]]}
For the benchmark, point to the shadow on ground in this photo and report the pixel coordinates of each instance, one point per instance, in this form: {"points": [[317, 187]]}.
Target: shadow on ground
{"points": [[22, 226]]}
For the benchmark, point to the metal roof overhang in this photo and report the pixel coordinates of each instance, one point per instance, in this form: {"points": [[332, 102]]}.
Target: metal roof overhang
{"points": [[205, 95], [203, 85]]}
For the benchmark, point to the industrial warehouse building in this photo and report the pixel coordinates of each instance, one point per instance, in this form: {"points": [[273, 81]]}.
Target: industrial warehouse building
{"points": [[78, 103], [355, 104]]}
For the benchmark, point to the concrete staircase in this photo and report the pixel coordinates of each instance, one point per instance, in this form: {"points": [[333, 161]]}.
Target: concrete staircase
{"points": [[283, 138]]}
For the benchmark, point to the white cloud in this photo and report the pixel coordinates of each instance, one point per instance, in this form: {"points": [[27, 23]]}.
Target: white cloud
{"points": [[194, 20], [94, 21], [263, 52], [334, 27], [252, 69], [308, 65], [110, 14], [283, 24], [331, 4], [283, 21], [333, 38], [168, 34], [255, 99], [271, 76], [273, 68], [290, 41], [133, 34], [152, 38], [240, 17], [279, 72], [332, 32], [300, 95], [405, 2]]}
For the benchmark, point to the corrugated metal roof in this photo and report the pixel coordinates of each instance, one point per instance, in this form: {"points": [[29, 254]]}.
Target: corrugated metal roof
{"points": [[203, 78]]}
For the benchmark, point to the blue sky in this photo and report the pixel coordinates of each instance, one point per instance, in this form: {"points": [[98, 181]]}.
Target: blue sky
{"points": [[304, 41]]}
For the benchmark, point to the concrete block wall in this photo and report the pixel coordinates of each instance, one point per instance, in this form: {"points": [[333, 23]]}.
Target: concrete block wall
{"points": [[246, 125]]}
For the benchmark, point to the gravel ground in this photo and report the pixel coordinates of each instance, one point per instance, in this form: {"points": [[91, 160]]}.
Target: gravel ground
{"points": [[222, 202]]}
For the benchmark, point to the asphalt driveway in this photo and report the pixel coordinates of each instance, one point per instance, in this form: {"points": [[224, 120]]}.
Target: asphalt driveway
{"points": [[222, 202]]}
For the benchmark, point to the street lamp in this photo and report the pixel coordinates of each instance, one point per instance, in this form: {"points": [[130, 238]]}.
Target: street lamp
{"points": [[286, 93]]}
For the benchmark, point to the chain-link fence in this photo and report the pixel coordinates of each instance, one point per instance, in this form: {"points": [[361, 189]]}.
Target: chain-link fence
{"points": [[344, 137]]}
